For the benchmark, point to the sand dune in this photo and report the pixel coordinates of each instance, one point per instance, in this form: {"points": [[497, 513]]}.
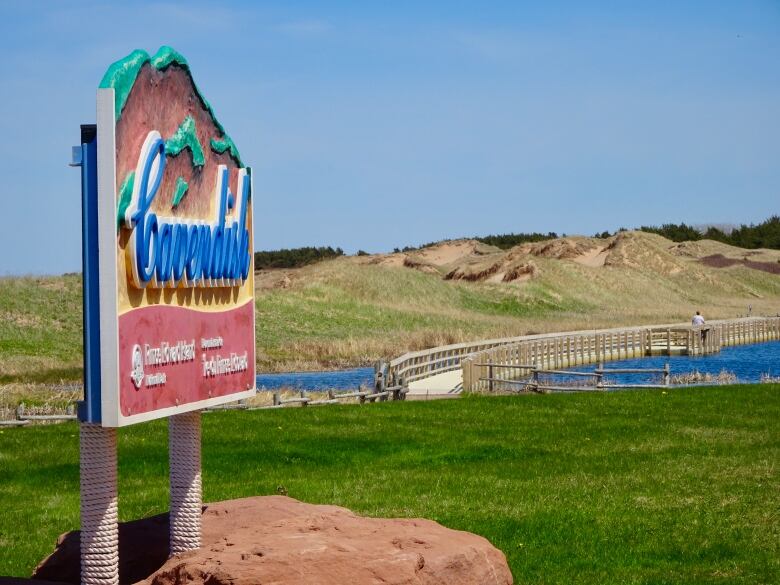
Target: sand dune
{"points": [[470, 260]]}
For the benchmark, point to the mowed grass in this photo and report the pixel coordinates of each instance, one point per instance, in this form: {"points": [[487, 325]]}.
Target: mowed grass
{"points": [[632, 487]]}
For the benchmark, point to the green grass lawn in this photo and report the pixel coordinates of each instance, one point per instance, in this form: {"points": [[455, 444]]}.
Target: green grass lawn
{"points": [[630, 487]]}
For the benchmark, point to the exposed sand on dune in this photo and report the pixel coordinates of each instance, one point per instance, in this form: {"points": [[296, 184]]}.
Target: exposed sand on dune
{"points": [[569, 248], [423, 266], [393, 260], [273, 279], [449, 252], [594, 258], [473, 261]]}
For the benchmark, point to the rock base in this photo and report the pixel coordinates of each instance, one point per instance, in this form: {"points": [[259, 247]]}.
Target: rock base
{"points": [[281, 541]]}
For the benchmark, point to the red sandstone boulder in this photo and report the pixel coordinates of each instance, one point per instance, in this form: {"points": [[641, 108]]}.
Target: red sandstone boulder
{"points": [[281, 541]]}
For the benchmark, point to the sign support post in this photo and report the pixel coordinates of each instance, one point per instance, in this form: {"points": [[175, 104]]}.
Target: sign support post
{"points": [[99, 506], [186, 491]]}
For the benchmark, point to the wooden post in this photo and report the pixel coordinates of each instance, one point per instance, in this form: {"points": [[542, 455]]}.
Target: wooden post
{"points": [[600, 376], [666, 374], [490, 375], [536, 377], [277, 400], [303, 395], [379, 378], [465, 366], [668, 341]]}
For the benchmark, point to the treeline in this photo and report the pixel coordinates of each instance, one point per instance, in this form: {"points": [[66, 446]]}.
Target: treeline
{"points": [[763, 235], [503, 241], [506, 241], [294, 257]]}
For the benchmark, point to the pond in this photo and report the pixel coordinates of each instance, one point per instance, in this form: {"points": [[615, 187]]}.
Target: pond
{"points": [[351, 379], [747, 362]]}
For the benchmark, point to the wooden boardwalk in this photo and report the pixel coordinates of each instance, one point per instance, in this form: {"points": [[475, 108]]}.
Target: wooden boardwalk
{"points": [[468, 363], [445, 385]]}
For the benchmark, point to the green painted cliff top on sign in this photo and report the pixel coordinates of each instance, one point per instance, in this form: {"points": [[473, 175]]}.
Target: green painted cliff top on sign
{"points": [[121, 77]]}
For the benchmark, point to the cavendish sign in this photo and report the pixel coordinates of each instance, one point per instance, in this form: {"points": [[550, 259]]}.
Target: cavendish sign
{"points": [[168, 268]]}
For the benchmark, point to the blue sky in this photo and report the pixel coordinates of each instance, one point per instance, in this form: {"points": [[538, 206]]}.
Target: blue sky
{"points": [[374, 125]]}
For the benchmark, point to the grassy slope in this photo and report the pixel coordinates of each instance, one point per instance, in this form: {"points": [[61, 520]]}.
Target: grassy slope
{"points": [[631, 487], [40, 328], [344, 312], [347, 312]]}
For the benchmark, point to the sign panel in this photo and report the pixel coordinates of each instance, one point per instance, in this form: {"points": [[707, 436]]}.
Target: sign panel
{"points": [[174, 230]]}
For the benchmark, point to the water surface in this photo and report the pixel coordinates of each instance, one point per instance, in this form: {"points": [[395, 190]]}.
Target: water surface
{"points": [[351, 379], [747, 362]]}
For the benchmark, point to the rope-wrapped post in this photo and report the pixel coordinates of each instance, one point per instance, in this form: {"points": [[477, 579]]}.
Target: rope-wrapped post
{"points": [[186, 496], [99, 517]]}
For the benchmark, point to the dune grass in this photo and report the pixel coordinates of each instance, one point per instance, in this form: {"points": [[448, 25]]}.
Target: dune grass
{"points": [[349, 312], [343, 313], [650, 487]]}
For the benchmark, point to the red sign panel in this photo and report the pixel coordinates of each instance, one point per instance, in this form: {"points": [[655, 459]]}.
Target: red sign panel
{"points": [[176, 281]]}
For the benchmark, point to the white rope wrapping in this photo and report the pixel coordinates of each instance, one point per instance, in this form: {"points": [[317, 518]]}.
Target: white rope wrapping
{"points": [[186, 496], [99, 517]]}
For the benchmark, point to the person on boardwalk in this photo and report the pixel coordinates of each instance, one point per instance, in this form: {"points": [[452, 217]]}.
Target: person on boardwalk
{"points": [[698, 321]]}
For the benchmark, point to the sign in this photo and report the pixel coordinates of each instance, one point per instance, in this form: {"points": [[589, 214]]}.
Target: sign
{"points": [[168, 268]]}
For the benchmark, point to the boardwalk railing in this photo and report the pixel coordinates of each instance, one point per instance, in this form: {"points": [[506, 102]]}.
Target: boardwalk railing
{"points": [[563, 350], [417, 365], [534, 383], [574, 348]]}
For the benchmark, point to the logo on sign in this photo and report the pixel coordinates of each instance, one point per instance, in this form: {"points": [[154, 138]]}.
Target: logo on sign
{"points": [[137, 373]]}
